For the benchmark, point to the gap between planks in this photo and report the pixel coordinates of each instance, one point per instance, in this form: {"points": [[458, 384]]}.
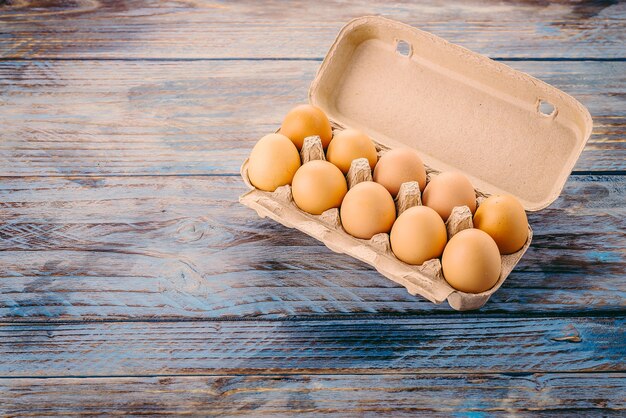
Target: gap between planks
{"points": [[140, 175], [353, 317], [317, 59], [325, 374]]}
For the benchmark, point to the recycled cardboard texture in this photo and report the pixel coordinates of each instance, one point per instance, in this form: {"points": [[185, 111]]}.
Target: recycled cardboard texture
{"points": [[460, 111]]}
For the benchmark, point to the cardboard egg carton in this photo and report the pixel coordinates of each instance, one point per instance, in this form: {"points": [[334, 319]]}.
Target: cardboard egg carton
{"points": [[508, 132], [426, 280]]}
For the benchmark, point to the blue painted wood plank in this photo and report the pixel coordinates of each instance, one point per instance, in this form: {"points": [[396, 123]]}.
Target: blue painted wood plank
{"points": [[252, 29], [471, 343], [183, 247], [570, 394], [154, 118]]}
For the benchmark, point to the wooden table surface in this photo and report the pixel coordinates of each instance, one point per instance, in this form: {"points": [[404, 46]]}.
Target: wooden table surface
{"points": [[132, 281]]}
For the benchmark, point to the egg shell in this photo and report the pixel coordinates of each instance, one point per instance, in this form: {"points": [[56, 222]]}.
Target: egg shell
{"points": [[397, 166], [306, 120], [504, 219], [418, 235], [318, 186], [447, 190], [348, 145], [471, 261], [273, 162], [367, 209]]}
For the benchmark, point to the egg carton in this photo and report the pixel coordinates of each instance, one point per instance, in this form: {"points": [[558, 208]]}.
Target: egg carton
{"points": [[426, 280], [507, 131]]}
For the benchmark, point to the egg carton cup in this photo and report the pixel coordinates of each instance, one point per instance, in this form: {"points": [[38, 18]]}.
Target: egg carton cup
{"points": [[426, 280]]}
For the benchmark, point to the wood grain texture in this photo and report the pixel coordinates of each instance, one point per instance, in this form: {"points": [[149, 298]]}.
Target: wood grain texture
{"points": [[276, 29], [575, 394], [132, 282], [115, 117], [468, 344], [174, 247]]}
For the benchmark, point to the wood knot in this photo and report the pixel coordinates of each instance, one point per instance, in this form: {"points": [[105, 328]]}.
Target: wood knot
{"points": [[571, 335]]}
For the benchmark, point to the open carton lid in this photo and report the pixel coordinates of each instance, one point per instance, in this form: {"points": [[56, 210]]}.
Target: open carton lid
{"points": [[507, 131]]}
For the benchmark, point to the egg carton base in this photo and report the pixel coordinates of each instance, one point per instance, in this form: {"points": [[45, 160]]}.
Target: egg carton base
{"points": [[425, 280]]}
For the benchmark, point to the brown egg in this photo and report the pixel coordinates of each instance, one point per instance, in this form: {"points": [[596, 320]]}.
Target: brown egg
{"points": [[471, 261], [318, 186], [418, 235], [399, 166], [306, 120], [368, 209], [348, 145], [273, 162], [504, 219], [447, 190]]}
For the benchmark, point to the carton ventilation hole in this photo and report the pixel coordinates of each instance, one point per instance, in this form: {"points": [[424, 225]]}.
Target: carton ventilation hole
{"points": [[546, 108], [403, 48]]}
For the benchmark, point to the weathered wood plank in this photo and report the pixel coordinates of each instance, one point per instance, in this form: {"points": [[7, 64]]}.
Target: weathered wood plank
{"points": [[468, 344], [318, 395], [173, 247], [192, 29], [73, 118]]}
